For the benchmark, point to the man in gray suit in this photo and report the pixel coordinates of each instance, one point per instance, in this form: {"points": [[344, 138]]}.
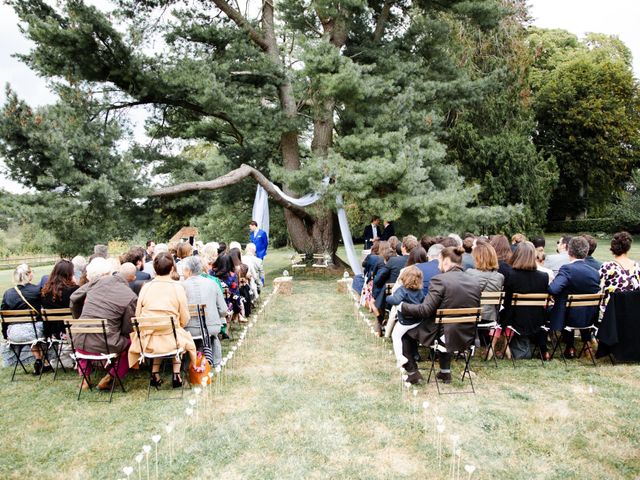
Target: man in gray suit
{"points": [[554, 262]]}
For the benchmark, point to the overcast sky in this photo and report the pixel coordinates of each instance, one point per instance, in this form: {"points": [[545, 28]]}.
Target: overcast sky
{"points": [[614, 17]]}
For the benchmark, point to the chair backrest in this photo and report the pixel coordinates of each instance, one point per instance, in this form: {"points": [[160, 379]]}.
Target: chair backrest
{"points": [[451, 316], [83, 326], [56, 314], [159, 324], [8, 317], [197, 310], [584, 300], [530, 300], [492, 298]]}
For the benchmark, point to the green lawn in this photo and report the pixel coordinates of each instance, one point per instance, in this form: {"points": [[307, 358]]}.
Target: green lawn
{"points": [[315, 396]]}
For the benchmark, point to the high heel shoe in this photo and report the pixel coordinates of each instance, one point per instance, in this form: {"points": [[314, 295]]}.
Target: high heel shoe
{"points": [[155, 381], [177, 381]]}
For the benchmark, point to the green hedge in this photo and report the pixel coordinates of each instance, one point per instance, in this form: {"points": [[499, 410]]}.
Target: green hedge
{"points": [[607, 225]]}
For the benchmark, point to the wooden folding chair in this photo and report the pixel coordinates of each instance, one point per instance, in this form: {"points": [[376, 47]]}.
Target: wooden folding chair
{"points": [[14, 317], [161, 325], [587, 300], [93, 326], [455, 316], [196, 310], [56, 344], [540, 300], [493, 299]]}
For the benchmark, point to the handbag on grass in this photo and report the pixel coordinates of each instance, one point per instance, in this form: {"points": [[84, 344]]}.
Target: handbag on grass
{"points": [[195, 378]]}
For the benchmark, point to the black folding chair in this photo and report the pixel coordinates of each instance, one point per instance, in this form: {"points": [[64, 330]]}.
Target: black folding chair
{"points": [[53, 343], [90, 326], [159, 325], [15, 317], [495, 300], [455, 316], [536, 300], [587, 300]]}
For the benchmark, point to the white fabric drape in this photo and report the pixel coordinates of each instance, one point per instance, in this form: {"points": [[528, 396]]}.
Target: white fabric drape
{"points": [[260, 214], [260, 211]]}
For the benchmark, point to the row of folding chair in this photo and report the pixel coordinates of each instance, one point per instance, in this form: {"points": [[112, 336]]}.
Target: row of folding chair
{"points": [[543, 301]]}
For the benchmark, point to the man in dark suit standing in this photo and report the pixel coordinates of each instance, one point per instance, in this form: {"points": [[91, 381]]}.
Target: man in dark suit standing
{"points": [[371, 232], [388, 231], [576, 277]]}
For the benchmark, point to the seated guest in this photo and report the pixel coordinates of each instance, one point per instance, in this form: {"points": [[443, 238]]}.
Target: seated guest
{"points": [[388, 273], [25, 296], [453, 288], [500, 244], [395, 244], [554, 262], [623, 273], [408, 244], [79, 265], [184, 250], [101, 251], [375, 290], [162, 297], [426, 241], [136, 256], [201, 290], [539, 241], [516, 240], [56, 293], [256, 269], [108, 297], [467, 257], [128, 271], [148, 266], [409, 292], [372, 261], [540, 258], [431, 267], [576, 277], [526, 278], [457, 239], [231, 286], [485, 260], [589, 260]]}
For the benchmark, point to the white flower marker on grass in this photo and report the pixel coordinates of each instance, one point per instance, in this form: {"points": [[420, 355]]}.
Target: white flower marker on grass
{"points": [[425, 408], [440, 430], [155, 439], [138, 459], [169, 428], [146, 449], [127, 471], [455, 439], [469, 469]]}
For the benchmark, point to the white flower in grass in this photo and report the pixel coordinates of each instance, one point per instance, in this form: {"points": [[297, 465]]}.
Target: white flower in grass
{"points": [[425, 404], [127, 471], [192, 402], [139, 458], [189, 411], [439, 420], [198, 390], [469, 468], [146, 448], [440, 428], [168, 428], [156, 438]]}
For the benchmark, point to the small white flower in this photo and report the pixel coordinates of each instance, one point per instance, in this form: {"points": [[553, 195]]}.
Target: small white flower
{"points": [[156, 438], [146, 448]]}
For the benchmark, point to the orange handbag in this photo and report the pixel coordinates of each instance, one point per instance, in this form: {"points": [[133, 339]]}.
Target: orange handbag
{"points": [[195, 377]]}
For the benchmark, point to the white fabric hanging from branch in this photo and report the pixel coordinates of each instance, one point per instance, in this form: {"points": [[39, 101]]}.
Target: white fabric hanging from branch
{"points": [[260, 214]]}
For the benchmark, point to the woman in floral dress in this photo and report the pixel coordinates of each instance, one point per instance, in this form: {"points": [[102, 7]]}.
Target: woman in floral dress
{"points": [[622, 274]]}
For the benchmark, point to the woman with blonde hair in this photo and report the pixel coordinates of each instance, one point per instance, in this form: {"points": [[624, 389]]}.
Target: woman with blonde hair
{"points": [[25, 296], [486, 271]]}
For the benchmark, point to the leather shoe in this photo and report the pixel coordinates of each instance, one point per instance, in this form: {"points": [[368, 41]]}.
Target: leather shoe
{"points": [[570, 353], [414, 378], [444, 377], [546, 356], [105, 382]]}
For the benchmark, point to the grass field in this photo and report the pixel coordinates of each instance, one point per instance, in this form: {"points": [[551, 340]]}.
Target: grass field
{"points": [[315, 396]]}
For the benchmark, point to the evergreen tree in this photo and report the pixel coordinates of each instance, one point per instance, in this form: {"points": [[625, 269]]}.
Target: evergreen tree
{"points": [[353, 91]]}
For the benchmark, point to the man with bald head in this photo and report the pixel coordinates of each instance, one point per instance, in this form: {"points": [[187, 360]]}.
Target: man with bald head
{"points": [[128, 272]]}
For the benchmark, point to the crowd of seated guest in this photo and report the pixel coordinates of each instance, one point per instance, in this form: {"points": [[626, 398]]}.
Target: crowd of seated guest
{"points": [[454, 272], [139, 283]]}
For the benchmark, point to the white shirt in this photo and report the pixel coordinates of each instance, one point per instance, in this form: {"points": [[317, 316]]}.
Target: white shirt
{"points": [[374, 230]]}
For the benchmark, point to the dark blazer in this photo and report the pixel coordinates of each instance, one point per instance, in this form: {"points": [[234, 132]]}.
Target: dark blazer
{"points": [[12, 301], [387, 273], [371, 264], [429, 270], [368, 235], [592, 262], [388, 232], [142, 276], [526, 320], [573, 278], [452, 289]]}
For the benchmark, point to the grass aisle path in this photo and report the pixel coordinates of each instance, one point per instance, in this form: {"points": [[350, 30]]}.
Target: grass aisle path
{"points": [[309, 402]]}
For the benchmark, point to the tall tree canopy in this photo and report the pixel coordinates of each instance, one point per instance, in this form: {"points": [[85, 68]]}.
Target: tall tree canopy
{"points": [[357, 91], [587, 106]]}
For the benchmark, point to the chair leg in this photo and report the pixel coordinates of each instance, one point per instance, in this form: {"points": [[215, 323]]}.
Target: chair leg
{"points": [[467, 370], [85, 378], [507, 344], [58, 352], [44, 351], [116, 378], [17, 351]]}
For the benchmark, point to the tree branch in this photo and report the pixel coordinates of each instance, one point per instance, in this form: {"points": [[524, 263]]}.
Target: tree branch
{"points": [[382, 21], [231, 178], [242, 22]]}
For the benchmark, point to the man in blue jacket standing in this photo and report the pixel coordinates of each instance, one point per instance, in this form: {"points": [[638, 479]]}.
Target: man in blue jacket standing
{"points": [[259, 238]]}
